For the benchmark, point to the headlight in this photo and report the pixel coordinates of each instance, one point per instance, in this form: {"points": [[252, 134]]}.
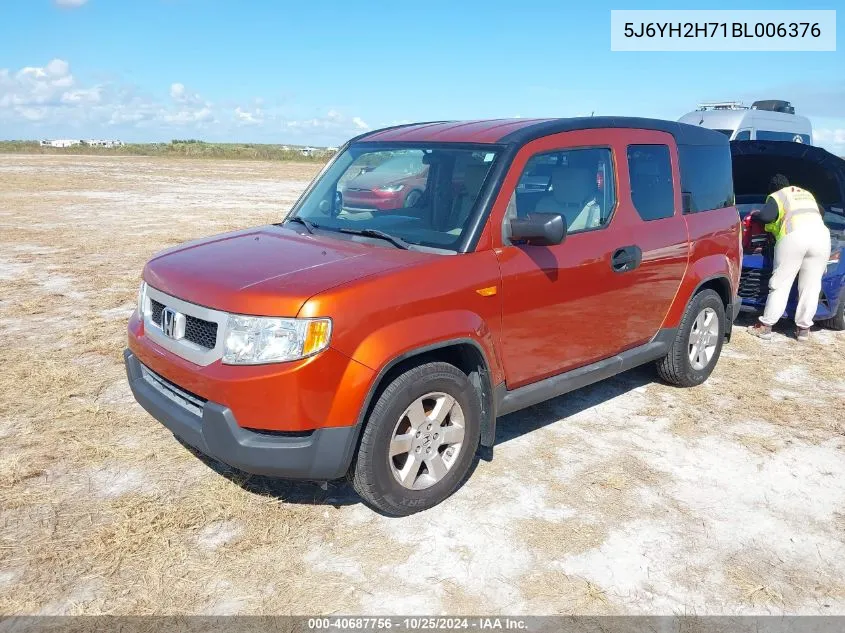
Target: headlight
{"points": [[391, 188], [142, 299], [257, 340]]}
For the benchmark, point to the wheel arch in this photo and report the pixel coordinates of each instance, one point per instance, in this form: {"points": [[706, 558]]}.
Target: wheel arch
{"points": [[464, 353]]}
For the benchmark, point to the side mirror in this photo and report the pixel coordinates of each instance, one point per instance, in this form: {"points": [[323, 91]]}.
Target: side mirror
{"points": [[539, 229]]}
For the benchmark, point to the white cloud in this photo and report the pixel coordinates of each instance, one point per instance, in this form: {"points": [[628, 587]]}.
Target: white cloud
{"points": [[332, 122], [35, 85], [87, 95], [188, 115], [69, 3], [832, 139], [177, 92], [48, 100], [245, 117]]}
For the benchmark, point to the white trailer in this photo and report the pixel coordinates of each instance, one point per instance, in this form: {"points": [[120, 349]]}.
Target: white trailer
{"points": [[768, 120]]}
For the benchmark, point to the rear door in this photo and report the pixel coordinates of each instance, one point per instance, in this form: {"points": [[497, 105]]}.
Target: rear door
{"points": [[658, 227], [607, 287]]}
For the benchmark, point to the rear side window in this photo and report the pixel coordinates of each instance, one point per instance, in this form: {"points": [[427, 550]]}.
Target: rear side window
{"points": [[652, 191], [706, 177], [795, 137]]}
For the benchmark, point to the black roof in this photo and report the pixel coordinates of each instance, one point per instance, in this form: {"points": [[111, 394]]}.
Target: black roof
{"points": [[684, 134]]}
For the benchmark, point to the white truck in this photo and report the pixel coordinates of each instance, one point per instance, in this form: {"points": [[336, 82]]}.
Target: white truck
{"points": [[768, 120]]}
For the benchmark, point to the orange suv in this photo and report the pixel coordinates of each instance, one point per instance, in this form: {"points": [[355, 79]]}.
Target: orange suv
{"points": [[537, 257]]}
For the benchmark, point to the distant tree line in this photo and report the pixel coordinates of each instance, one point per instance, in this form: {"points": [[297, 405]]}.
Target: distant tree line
{"points": [[177, 148]]}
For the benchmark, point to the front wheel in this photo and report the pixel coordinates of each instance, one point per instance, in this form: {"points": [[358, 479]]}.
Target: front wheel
{"points": [[412, 198], [419, 441], [698, 342]]}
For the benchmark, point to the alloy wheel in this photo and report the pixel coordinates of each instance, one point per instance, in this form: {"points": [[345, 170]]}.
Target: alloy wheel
{"points": [[426, 440], [703, 339]]}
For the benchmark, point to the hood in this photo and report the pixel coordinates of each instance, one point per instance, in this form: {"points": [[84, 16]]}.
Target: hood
{"points": [[269, 271], [807, 166]]}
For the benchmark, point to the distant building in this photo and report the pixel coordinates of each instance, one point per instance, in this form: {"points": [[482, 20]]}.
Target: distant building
{"points": [[72, 142], [103, 143], [60, 143]]}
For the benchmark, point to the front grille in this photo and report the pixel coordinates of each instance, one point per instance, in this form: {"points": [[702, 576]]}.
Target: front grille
{"points": [[184, 399], [754, 283], [203, 333], [197, 331], [155, 311]]}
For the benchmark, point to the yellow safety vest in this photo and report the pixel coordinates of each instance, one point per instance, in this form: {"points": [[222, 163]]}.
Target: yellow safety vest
{"points": [[796, 207]]}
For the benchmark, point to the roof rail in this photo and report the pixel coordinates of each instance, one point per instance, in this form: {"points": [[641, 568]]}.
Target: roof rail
{"points": [[722, 105]]}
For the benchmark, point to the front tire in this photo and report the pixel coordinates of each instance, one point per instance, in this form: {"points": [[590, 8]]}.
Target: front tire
{"points": [[698, 342], [412, 198], [419, 441]]}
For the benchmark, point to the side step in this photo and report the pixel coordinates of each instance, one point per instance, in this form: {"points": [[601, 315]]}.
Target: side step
{"points": [[535, 393]]}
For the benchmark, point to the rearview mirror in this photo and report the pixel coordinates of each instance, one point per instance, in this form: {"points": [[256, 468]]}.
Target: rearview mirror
{"points": [[539, 229]]}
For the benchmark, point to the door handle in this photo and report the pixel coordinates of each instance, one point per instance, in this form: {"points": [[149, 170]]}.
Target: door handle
{"points": [[626, 258]]}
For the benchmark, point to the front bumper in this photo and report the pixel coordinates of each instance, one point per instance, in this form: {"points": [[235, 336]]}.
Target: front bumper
{"points": [[211, 428]]}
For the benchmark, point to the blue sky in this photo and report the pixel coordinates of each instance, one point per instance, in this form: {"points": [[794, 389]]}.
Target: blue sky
{"points": [[320, 72]]}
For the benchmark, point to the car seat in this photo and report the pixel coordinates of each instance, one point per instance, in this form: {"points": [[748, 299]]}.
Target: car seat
{"points": [[464, 201], [573, 196]]}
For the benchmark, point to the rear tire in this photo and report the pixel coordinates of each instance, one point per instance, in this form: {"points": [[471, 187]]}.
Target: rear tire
{"points": [[698, 342], [837, 321], [419, 440]]}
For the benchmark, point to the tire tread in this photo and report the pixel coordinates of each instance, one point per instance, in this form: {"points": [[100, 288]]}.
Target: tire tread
{"points": [[674, 367], [362, 481]]}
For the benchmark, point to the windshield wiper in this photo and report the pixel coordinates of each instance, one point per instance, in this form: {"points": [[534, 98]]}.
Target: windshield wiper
{"points": [[396, 241], [309, 226]]}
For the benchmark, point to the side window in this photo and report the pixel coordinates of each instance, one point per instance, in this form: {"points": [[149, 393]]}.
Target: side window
{"points": [[706, 177], [768, 135], [577, 183], [652, 191], [743, 135]]}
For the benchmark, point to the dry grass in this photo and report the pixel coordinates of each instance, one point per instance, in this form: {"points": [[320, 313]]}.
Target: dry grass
{"points": [[102, 511], [556, 593]]}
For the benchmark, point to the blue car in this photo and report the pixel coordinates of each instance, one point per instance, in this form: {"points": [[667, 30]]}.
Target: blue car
{"points": [[819, 172]]}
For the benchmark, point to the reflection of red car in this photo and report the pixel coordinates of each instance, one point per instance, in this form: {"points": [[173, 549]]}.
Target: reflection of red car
{"points": [[396, 183]]}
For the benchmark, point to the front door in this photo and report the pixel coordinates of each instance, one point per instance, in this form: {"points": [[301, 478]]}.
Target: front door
{"points": [[604, 289]]}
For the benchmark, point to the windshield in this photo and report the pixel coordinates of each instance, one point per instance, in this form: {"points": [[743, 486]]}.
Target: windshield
{"points": [[423, 195]]}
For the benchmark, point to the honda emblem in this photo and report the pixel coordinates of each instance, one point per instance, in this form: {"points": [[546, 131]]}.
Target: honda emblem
{"points": [[173, 324]]}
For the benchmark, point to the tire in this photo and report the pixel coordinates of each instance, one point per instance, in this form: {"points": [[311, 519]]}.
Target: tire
{"points": [[376, 474], [412, 198], [837, 321], [677, 368]]}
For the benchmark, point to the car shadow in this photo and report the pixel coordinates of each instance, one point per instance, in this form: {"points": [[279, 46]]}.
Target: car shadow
{"points": [[518, 423], [340, 493], [334, 493]]}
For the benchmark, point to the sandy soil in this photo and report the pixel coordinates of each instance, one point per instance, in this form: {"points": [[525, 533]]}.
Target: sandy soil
{"points": [[626, 497]]}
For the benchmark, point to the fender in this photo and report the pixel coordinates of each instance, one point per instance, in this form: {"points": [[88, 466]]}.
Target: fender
{"points": [[708, 268], [428, 334], [397, 339]]}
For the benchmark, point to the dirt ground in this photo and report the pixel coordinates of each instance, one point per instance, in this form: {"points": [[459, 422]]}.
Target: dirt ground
{"points": [[626, 497]]}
